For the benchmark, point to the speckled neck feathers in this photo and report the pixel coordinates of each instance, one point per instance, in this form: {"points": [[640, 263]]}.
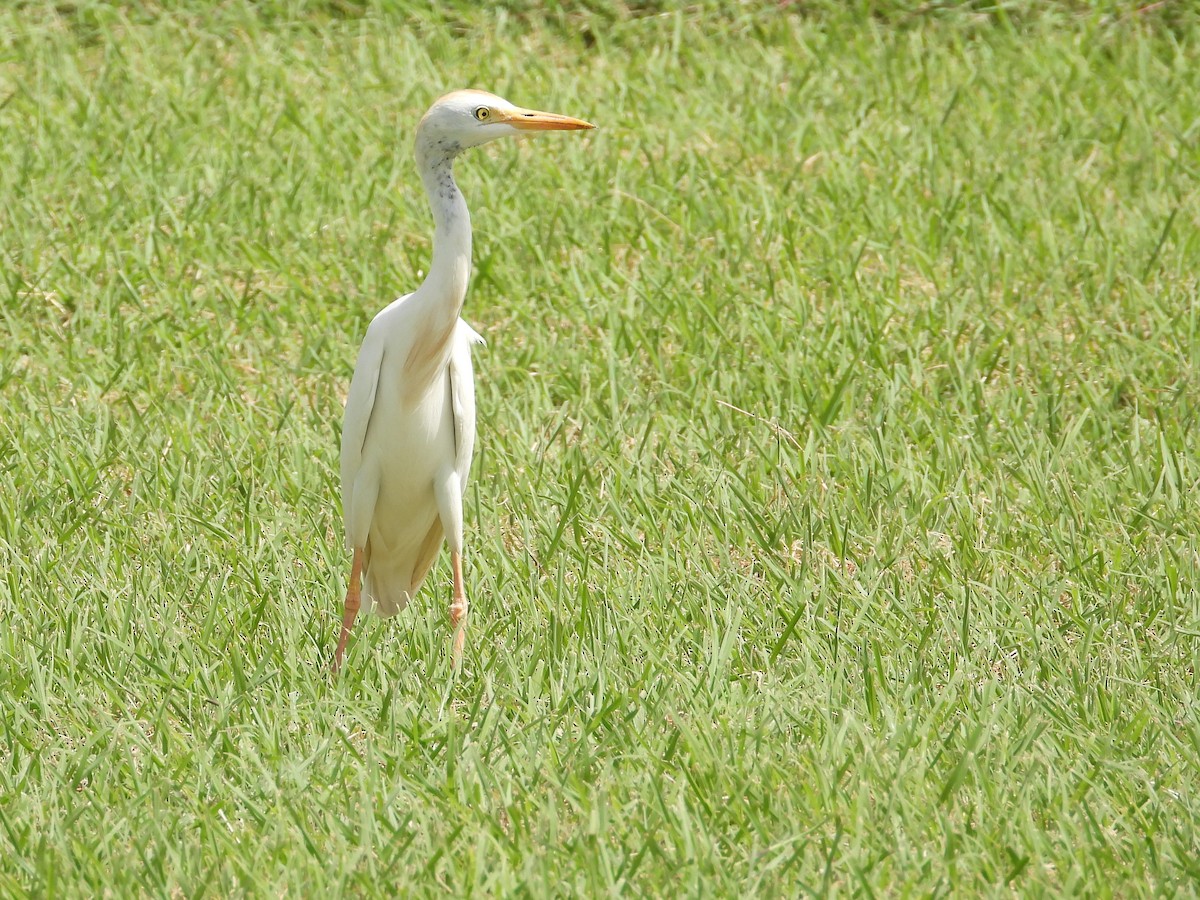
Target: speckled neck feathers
{"points": [[440, 296], [451, 263]]}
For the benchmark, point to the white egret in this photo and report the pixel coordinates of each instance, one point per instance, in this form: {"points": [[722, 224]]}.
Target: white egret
{"points": [[409, 429]]}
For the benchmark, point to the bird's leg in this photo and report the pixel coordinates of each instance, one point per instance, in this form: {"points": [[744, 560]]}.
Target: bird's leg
{"points": [[448, 490], [458, 610], [353, 602]]}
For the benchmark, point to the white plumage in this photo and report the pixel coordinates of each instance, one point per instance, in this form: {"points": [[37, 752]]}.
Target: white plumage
{"points": [[393, 465], [409, 430]]}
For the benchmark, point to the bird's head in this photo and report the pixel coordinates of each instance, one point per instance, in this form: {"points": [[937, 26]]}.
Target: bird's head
{"points": [[469, 118]]}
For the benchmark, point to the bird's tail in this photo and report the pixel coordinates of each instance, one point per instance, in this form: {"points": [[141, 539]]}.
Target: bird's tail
{"points": [[385, 597], [384, 592]]}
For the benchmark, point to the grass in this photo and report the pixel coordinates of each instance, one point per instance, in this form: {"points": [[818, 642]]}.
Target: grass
{"points": [[833, 527]]}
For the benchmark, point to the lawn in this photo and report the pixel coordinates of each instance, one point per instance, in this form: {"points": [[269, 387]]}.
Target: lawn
{"points": [[834, 525]]}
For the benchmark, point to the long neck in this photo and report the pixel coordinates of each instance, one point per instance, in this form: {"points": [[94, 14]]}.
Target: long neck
{"points": [[446, 284]]}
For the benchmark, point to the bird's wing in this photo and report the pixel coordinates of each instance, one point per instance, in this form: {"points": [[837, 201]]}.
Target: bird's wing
{"points": [[360, 403], [462, 398], [462, 406]]}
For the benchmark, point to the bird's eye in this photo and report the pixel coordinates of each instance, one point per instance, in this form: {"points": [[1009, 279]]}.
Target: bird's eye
{"points": [[483, 114]]}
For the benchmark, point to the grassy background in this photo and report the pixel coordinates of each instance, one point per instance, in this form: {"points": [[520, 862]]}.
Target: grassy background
{"points": [[834, 519]]}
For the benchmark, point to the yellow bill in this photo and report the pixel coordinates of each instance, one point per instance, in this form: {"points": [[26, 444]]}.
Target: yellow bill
{"points": [[532, 120]]}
